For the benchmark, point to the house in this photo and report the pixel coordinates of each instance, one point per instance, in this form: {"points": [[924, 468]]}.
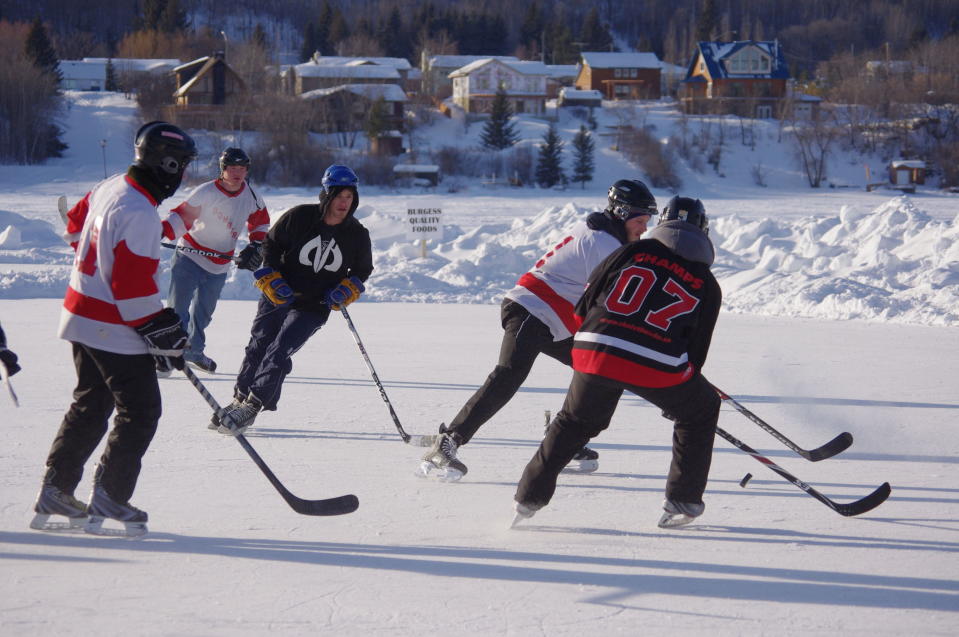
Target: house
{"points": [[577, 97], [475, 85], [746, 78], [345, 107], [904, 174], [436, 71], [204, 87], [90, 74], [560, 76], [329, 72], [619, 76]]}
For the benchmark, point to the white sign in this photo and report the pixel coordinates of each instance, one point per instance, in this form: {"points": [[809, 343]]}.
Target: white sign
{"points": [[424, 223]]}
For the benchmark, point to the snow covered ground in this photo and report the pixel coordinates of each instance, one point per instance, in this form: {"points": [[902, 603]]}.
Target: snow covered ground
{"points": [[839, 315]]}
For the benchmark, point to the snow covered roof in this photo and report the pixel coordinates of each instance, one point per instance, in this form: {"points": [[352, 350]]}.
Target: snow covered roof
{"points": [[137, 64], [457, 61], [401, 64], [580, 94], [419, 168], [389, 92], [520, 66], [82, 70], [367, 71], [563, 70], [908, 163], [598, 60]]}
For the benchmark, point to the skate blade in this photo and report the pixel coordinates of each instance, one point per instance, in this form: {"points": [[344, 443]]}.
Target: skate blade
{"points": [[581, 466], [431, 471], [672, 520], [94, 526], [211, 372], [226, 431], [40, 522]]}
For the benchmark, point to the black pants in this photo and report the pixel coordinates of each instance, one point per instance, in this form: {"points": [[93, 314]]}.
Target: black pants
{"points": [[525, 337], [106, 381], [589, 406]]}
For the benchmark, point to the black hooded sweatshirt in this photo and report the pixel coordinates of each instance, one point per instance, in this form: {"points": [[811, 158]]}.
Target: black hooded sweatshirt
{"points": [[314, 257]]}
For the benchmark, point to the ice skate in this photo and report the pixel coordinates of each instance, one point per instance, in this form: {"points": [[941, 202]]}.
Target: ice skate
{"points": [[585, 461], [163, 367], [215, 423], [242, 415], [202, 362], [102, 507], [53, 501], [440, 461], [522, 512], [679, 513]]}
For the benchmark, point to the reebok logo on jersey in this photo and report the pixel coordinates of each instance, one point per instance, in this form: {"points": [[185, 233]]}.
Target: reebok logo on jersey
{"points": [[326, 255]]}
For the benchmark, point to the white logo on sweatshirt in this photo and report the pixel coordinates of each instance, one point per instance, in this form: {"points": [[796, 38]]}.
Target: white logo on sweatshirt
{"points": [[326, 254]]}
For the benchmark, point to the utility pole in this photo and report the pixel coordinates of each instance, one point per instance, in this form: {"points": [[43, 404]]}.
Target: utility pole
{"points": [[103, 150]]}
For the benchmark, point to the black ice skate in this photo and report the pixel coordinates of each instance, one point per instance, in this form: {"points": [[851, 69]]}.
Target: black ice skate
{"points": [[440, 461], [679, 513], [242, 415], [102, 506], [202, 362], [53, 501], [585, 461]]}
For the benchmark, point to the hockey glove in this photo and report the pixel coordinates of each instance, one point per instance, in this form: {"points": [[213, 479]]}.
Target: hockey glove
{"points": [[250, 257], [164, 337], [7, 358], [273, 286], [345, 293]]}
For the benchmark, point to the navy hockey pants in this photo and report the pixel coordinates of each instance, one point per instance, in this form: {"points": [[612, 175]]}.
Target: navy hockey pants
{"points": [[590, 403], [105, 380], [525, 337], [277, 333]]}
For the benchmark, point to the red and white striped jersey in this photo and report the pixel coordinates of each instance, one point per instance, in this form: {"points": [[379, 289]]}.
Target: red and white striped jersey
{"points": [[550, 290], [115, 231], [216, 227]]}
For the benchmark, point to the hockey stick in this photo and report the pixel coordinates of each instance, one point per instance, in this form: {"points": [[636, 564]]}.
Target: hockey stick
{"points": [[416, 441], [836, 445], [206, 253], [5, 376], [862, 505], [63, 208], [330, 506]]}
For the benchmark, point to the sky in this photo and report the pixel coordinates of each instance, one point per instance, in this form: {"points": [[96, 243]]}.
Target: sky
{"points": [[839, 315]]}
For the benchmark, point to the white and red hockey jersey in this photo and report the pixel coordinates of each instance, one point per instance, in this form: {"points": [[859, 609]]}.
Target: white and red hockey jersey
{"points": [[550, 290], [216, 227], [115, 231]]}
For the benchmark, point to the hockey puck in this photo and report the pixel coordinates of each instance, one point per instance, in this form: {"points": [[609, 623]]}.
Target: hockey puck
{"points": [[745, 479]]}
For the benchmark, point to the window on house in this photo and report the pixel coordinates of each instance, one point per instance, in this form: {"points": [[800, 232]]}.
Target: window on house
{"points": [[633, 73], [617, 73]]}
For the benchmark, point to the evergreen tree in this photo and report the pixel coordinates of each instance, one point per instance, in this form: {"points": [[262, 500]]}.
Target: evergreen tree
{"points": [[339, 29], [393, 34], [39, 50], [707, 22], [309, 42], [531, 31], [321, 31], [593, 35], [499, 133], [173, 18], [376, 122], [258, 38], [111, 77], [549, 168], [583, 165]]}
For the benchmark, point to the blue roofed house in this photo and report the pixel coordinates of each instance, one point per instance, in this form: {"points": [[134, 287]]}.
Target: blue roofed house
{"points": [[747, 78]]}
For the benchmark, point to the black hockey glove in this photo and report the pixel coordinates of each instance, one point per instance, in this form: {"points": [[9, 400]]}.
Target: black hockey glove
{"points": [[165, 337], [7, 358], [250, 257]]}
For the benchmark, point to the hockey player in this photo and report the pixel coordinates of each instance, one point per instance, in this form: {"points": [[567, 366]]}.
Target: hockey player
{"points": [[316, 258], [114, 318], [647, 319], [7, 358], [211, 219], [537, 317]]}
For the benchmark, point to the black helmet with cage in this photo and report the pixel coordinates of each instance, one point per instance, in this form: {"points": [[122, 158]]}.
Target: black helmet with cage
{"points": [[164, 151], [688, 210], [629, 198]]}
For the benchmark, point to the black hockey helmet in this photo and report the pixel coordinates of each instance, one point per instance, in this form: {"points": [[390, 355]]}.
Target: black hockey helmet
{"points": [[630, 198], [688, 210], [234, 157], [164, 150]]}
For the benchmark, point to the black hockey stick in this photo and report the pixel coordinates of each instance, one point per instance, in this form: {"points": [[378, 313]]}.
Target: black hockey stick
{"points": [[206, 253], [330, 506], [836, 445], [862, 505], [416, 441]]}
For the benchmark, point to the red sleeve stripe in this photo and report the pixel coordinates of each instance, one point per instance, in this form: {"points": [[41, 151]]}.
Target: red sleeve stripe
{"points": [[560, 306], [258, 224], [591, 361], [91, 308], [133, 275]]}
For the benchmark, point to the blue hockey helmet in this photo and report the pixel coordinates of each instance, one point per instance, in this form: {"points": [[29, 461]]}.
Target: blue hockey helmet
{"points": [[337, 175]]}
